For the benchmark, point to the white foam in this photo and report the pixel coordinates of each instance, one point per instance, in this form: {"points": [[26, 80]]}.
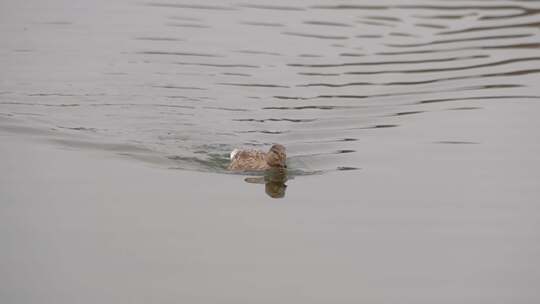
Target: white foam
{"points": [[234, 152]]}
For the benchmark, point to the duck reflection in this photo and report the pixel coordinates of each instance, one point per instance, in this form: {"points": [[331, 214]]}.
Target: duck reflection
{"points": [[274, 182]]}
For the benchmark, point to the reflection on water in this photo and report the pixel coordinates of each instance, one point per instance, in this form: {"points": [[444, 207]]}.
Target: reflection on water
{"points": [[419, 115], [274, 182], [188, 82]]}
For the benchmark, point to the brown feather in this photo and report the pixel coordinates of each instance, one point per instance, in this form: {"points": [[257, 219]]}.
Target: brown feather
{"points": [[249, 160], [254, 160]]}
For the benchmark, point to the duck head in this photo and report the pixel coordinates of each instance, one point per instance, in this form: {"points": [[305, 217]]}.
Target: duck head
{"points": [[276, 157]]}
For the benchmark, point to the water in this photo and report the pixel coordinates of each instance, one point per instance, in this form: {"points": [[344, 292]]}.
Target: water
{"points": [[189, 82], [411, 129]]}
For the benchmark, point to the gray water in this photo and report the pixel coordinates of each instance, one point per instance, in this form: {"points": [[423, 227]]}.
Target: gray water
{"points": [[411, 129], [188, 82]]}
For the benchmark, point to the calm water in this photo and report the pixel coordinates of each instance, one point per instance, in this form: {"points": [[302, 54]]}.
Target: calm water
{"points": [[187, 82], [414, 125]]}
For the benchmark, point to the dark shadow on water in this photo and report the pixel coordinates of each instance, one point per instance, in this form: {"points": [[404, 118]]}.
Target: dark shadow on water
{"points": [[456, 142], [274, 182]]}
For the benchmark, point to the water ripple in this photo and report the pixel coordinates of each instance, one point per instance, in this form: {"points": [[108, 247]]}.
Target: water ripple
{"points": [[193, 80]]}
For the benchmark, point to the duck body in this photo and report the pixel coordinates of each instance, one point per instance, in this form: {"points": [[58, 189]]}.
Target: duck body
{"points": [[248, 160], [255, 160]]}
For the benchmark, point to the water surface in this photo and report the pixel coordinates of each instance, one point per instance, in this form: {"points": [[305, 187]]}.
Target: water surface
{"points": [[411, 127], [189, 82]]}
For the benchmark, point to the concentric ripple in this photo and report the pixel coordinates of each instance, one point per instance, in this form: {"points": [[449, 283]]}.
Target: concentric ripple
{"points": [[182, 83]]}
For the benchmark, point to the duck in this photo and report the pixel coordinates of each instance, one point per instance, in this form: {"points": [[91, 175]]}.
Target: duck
{"points": [[256, 160]]}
